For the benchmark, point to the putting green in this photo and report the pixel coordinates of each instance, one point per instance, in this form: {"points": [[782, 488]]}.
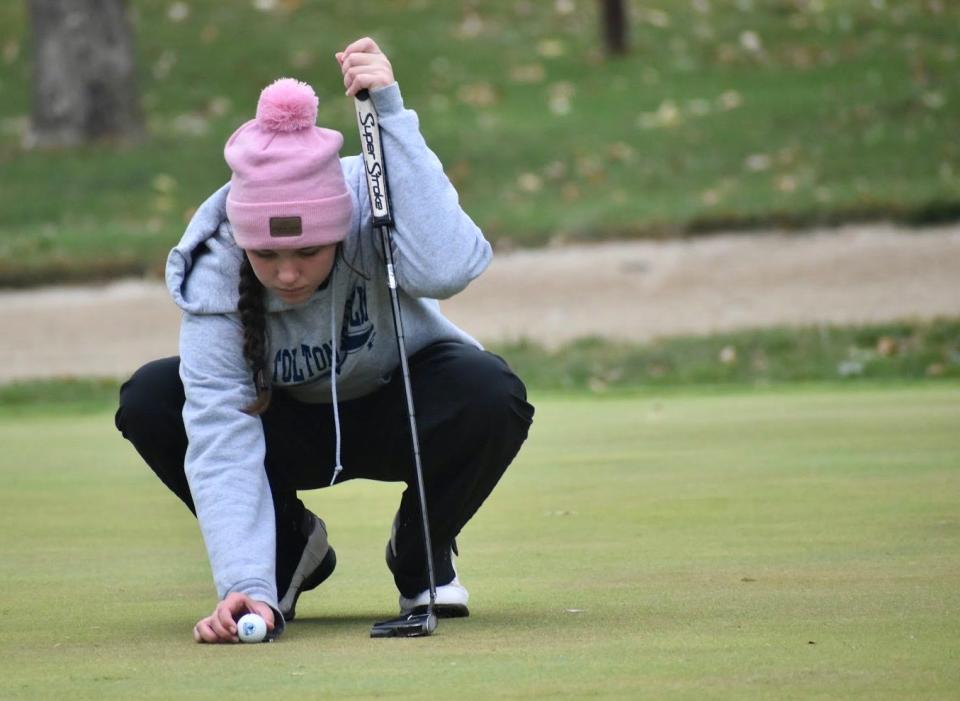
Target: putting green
{"points": [[779, 543]]}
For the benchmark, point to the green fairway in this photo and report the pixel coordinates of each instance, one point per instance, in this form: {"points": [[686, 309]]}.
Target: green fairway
{"points": [[782, 543]]}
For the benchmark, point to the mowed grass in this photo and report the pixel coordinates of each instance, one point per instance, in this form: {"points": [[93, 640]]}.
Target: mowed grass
{"points": [[781, 543], [727, 113]]}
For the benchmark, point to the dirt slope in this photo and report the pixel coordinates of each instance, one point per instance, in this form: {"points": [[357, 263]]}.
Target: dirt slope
{"points": [[636, 291]]}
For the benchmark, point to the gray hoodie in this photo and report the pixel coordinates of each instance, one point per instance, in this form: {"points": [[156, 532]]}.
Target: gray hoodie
{"points": [[344, 330]]}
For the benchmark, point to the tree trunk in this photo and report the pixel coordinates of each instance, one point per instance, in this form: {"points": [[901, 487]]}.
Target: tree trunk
{"points": [[84, 83], [614, 27]]}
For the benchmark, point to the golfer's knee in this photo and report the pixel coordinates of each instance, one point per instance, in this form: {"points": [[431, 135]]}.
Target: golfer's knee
{"points": [[151, 392], [493, 394]]}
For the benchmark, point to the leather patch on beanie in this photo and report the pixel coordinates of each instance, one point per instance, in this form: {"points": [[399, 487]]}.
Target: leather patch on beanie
{"points": [[286, 226]]}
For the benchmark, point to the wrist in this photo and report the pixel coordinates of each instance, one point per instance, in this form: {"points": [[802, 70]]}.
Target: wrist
{"points": [[387, 99]]}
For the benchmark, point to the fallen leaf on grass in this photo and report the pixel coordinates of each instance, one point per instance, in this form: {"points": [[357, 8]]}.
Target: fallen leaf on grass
{"points": [[786, 183], [162, 182], [698, 107], [621, 151], [209, 34], [178, 12], [886, 346], [164, 64], [757, 162], [570, 192], [657, 18], [551, 48], [730, 100], [936, 370], [555, 170], [529, 182], [750, 41], [11, 50], [471, 27], [561, 96], [528, 74], [480, 94]]}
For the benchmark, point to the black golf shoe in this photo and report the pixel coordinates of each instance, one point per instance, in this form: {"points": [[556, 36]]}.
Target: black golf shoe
{"points": [[316, 564]]}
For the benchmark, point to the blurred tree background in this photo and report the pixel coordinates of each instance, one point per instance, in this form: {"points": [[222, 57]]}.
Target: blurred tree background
{"points": [[722, 113], [83, 85]]}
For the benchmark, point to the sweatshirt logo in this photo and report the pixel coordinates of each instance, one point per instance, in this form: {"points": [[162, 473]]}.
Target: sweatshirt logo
{"points": [[356, 327], [302, 363]]}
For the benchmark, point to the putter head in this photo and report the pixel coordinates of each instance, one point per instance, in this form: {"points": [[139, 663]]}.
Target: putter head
{"points": [[413, 625]]}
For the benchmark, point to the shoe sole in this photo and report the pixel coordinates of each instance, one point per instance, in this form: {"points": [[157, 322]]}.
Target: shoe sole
{"points": [[316, 578]]}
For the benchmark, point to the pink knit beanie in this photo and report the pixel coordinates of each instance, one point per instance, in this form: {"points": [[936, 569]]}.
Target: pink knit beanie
{"points": [[287, 189]]}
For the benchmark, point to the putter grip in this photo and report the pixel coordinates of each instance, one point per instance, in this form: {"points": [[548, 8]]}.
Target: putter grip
{"points": [[374, 166]]}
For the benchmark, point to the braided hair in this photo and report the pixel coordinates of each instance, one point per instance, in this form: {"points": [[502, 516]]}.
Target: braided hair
{"points": [[253, 316]]}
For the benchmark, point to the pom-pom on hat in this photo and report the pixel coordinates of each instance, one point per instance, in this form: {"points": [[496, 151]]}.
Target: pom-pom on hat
{"points": [[287, 188]]}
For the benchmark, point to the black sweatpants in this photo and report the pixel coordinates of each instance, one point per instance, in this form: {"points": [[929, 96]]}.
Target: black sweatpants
{"points": [[472, 417]]}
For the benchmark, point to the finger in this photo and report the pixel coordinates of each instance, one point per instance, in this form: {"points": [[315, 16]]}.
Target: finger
{"points": [[349, 79], [203, 633], [356, 85], [358, 80], [381, 71], [225, 629], [365, 59], [241, 604], [364, 45], [233, 606], [369, 81], [221, 635], [339, 56], [265, 612], [228, 614]]}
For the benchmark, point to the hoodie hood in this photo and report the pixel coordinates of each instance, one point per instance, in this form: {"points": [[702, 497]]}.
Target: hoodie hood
{"points": [[203, 269]]}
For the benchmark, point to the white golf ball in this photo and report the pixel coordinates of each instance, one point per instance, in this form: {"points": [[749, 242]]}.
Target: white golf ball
{"points": [[251, 628]]}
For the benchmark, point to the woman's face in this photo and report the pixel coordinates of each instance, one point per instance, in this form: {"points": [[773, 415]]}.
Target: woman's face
{"points": [[294, 274]]}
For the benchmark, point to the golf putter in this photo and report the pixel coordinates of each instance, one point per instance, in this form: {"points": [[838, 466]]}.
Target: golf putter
{"points": [[413, 624]]}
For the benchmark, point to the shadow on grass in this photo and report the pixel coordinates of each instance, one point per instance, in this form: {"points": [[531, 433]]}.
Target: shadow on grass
{"points": [[346, 620], [349, 622]]}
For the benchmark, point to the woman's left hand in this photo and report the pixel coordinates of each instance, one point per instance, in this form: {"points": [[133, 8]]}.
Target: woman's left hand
{"points": [[364, 66], [221, 625]]}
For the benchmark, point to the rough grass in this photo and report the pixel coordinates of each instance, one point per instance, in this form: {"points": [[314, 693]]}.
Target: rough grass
{"points": [[898, 351], [728, 113], [826, 353], [788, 544]]}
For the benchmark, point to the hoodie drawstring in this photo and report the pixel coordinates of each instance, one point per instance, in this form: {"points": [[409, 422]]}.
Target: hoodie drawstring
{"points": [[337, 468]]}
